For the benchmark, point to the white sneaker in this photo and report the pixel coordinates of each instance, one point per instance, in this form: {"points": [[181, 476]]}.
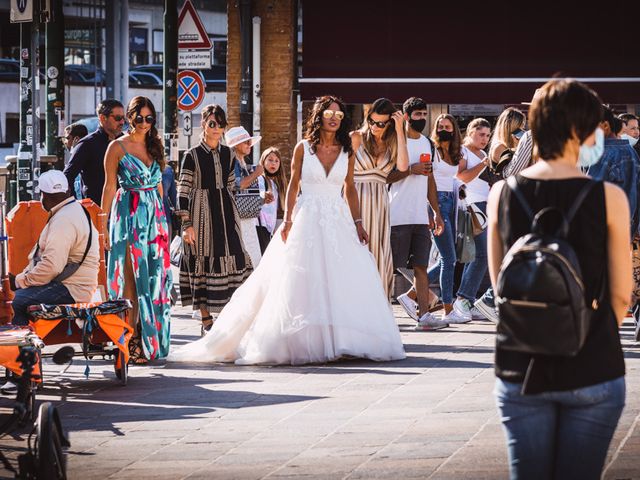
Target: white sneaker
{"points": [[428, 322], [9, 388], [461, 310], [476, 314], [410, 306], [486, 311]]}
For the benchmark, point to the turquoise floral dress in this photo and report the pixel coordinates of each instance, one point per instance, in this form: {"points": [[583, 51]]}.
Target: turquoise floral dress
{"points": [[138, 226]]}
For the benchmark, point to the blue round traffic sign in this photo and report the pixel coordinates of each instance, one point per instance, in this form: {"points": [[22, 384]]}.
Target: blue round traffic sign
{"points": [[190, 90]]}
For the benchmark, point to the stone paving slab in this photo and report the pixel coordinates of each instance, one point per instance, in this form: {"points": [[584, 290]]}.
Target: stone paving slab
{"points": [[430, 416]]}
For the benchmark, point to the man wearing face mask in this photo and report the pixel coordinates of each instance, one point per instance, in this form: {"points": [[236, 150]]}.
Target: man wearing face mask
{"points": [[411, 194], [630, 130], [614, 160]]}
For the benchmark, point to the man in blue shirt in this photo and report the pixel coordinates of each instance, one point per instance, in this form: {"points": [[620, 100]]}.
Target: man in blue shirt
{"points": [[87, 157], [619, 164]]}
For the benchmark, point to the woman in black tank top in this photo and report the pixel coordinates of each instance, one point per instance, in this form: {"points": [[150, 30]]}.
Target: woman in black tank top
{"points": [[562, 426]]}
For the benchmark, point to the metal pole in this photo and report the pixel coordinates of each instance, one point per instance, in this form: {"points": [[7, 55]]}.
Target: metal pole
{"points": [[112, 25], [55, 82], [25, 152], [32, 189], [170, 80], [124, 51], [246, 117], [256, 85]]}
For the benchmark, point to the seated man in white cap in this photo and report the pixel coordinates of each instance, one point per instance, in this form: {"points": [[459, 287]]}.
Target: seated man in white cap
{"points": [[64, 263]]}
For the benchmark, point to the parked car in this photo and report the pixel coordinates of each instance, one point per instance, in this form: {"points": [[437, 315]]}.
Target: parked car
{"points": [[215, 78], [85, 74], [9, 70], [142, 79]]}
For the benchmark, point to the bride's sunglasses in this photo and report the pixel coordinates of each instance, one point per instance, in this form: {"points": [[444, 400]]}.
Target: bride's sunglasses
{"points": [[150, 119], [333, 113]]}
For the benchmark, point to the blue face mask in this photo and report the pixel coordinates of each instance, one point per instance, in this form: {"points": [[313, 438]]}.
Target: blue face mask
{"points": [[590, 154]]}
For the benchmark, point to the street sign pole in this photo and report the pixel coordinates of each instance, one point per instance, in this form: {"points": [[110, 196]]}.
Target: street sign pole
{"points": [[54, 72], [187, 127], [32, 191], [170, 79], [27, 85]]}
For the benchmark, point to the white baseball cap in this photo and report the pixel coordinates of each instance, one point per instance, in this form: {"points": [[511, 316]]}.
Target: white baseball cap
{"points": [[53, 181], [238, 135]]}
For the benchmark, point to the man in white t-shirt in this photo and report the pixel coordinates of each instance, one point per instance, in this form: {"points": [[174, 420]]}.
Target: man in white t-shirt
{"points": [[410, 195]]}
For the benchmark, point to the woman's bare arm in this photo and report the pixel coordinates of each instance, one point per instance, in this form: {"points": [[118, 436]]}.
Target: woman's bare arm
{"points": [[494, 242], [292, 189], [619, 250]]}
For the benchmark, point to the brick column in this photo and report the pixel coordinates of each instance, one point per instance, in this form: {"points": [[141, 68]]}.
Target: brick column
{"points": [[278, 72]]}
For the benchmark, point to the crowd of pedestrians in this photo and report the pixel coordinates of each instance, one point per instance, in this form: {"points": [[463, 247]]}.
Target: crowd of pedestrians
{"points": [[434, 203]]}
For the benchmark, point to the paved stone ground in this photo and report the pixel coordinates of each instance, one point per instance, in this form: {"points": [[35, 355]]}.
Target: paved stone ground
{"points": [[429, 416]]}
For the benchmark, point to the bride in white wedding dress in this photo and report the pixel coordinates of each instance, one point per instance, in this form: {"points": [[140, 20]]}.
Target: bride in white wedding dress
{"points": [[316, 295]]}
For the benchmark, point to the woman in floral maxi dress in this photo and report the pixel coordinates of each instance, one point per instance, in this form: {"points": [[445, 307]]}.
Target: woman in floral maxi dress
{"points": [[138, 264]]}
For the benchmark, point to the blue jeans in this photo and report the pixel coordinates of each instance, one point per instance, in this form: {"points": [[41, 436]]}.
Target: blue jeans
{"points": [[446, 246], [474, 272], [559, 435], [52, 293]]}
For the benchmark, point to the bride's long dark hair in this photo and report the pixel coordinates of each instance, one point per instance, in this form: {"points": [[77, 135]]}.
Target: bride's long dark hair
{"points": [[314, 124]]}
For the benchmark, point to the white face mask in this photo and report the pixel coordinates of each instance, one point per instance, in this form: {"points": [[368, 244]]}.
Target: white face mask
{"points": [[632, 141], [590, 154]]}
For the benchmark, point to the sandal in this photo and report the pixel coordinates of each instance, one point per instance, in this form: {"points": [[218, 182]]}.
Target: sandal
{"points": [[207, 323], [136, 352]]}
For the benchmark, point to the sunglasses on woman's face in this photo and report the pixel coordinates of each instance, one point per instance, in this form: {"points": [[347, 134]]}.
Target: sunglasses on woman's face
{"points": [[214, 124], [378, 124], [339, 114], [150, 119]]}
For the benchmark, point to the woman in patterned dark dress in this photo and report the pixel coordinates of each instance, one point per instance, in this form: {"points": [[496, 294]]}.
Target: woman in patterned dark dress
{"points": [[214, 262]]}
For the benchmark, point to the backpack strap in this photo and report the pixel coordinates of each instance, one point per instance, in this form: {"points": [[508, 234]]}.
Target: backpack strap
{"points": [[512, 182], [577, 203]]}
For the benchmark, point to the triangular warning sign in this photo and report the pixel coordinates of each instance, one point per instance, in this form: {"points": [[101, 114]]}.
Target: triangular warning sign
{"points": [[191, 32]]}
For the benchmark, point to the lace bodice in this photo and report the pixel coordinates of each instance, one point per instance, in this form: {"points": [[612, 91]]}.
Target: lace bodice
{"points": [[315, 181]]}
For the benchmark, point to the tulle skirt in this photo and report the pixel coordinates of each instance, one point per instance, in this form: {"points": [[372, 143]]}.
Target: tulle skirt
{"points": [[315, 299]]}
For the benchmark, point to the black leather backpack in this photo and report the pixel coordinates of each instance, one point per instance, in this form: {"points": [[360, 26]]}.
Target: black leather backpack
{"points": [[540, 293]]}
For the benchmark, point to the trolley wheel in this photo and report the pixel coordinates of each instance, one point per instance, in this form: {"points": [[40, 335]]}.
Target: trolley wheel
{"points": [[122, 373], [50, 459]]}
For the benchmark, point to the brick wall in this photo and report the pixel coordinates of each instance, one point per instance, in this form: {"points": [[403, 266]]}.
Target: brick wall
{"points": [[278, 57]]}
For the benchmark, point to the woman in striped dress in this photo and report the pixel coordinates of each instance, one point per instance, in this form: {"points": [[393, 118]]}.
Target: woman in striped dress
{"points": [[380, 146]]}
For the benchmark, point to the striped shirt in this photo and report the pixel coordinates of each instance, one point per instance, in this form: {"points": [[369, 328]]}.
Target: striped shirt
{"points": [[522, 157]]}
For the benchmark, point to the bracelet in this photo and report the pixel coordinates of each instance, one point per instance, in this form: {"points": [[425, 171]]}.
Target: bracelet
{"points": [[357, 220], [287, 221]]}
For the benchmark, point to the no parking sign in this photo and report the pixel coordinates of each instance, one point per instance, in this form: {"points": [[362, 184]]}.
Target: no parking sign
{"points": [[190, 90]]}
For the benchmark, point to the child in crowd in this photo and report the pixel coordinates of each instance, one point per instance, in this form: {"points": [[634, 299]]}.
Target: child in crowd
{"points": [[273, 184]]}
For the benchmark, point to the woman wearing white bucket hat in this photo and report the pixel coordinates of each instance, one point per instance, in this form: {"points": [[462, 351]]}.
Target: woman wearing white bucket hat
{"points": [[240, 142]]}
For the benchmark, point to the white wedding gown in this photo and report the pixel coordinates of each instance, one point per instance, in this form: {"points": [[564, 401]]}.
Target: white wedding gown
{"points": [[314, 299]]}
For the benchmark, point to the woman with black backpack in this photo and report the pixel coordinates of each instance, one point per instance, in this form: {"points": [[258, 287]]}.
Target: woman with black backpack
{"points": [[551, 229]]}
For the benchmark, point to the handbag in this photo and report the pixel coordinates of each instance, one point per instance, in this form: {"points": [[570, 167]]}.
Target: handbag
{"points": [[249, 203], [465, 244], [478, 219], [175, 251]]}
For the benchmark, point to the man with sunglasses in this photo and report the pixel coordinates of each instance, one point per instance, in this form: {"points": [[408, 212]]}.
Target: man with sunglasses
{"points": [[87, 158]]}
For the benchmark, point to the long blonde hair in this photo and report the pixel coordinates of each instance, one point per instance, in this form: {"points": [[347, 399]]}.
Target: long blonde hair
{"points": [[280, 177], [508, 122], [381, 106]]}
